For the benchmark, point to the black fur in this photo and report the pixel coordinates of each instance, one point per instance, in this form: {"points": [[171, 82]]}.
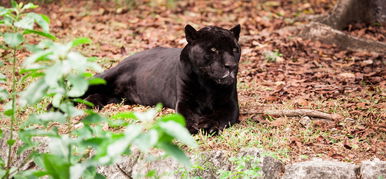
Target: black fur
{"points": [[199, 81]]}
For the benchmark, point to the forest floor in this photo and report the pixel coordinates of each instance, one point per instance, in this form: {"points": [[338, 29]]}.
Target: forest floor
{"points": [[277, 71]]}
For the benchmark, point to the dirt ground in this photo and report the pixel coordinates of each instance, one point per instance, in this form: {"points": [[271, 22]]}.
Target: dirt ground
{"points": [[277, 71]]}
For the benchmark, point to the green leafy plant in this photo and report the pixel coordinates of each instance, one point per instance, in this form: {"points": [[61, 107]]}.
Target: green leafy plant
{"points": [[17, 23], [61, 74]]}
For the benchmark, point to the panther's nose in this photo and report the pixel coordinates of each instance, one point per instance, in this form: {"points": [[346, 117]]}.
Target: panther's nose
{"points": [[230, 66]]}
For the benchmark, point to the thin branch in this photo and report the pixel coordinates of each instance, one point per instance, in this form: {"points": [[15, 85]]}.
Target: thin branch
{"points": [[127, 174], [296, 113]]}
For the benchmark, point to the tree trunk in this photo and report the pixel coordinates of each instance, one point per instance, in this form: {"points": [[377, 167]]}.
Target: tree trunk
{"points": [[356, 11]]}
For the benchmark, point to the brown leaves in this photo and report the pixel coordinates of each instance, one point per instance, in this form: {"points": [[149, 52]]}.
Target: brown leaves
{"points": [[377, 33], [279, 122]]}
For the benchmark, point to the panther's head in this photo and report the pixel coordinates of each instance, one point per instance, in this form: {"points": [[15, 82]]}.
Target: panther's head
{"points": [[214, 52]]}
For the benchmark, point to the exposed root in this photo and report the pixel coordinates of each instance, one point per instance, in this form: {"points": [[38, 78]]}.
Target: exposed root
{"points": [[326, 34], [296, 113]]}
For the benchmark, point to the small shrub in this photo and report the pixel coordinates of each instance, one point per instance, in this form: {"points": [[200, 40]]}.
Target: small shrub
{"points": [[63, 75]]}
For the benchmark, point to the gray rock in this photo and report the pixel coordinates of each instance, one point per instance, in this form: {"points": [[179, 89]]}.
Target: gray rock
{"points": [[373, 169], [209, 163], [205, 165], [305, 121], [272, 168], [320, 169]]}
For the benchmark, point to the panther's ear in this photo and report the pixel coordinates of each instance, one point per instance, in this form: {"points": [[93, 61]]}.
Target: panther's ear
{"points": [[190, 33], [236, 31]]}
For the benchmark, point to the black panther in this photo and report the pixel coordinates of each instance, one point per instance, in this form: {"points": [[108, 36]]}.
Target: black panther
{"points": [[199, 80]]}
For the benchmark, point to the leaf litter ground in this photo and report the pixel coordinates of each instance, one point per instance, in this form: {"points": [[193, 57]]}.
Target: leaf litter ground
{"points": [[277, 71]]}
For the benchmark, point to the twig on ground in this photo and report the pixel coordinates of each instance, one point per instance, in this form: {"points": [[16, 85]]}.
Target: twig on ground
{"points": [[296, 113], [128, 175]]}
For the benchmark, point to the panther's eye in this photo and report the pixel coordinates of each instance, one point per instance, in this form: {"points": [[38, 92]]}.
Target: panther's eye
{"points": [[213, 49], [234, 49]]}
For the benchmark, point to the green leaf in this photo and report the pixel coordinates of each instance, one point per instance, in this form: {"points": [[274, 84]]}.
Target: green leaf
{"points": [[3, 78], [8, 112], [147, 140], [34, 92], [78, 62], [13, 39], [3, 94], [53, 74], [56, 166], [57, 99], [179, 132], [43, 34], [87, 75], [14, 4], [30, 6], [3, 11], [124, 115], [78, 100], [69, 109], [31, 75], [31, 47], [46, 118], [10, 142], [80, 41], [92, 59], [178, 118], [147, 116], [96, 81], [29, 63], [8, 20], [151, 173], [44, 44], [79, 85], [117, 123], [94, 142], [31, 132], [52, 116], [118, 147], [27, 143], [27, 22], [175, 152], [2, 172], [43, 21], [93, 119]]}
